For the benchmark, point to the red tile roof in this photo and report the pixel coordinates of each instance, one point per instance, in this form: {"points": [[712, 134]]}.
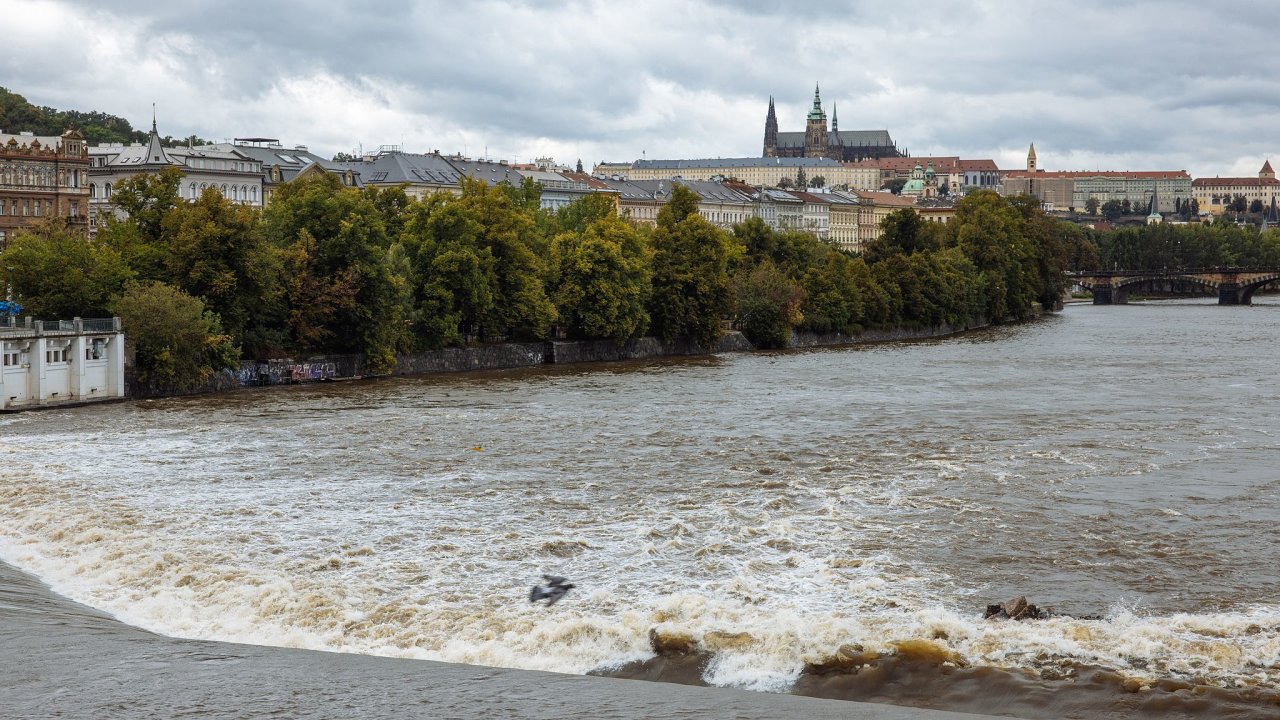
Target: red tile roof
{"points": [[1129, 174], [1228, 182], [884, 198]]}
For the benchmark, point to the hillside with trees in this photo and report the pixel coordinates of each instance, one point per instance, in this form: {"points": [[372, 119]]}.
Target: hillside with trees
{"points": [[17, 115]]}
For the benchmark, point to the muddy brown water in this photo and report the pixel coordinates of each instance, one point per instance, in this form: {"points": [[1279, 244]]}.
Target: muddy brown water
{"points": [[1113, 463]]}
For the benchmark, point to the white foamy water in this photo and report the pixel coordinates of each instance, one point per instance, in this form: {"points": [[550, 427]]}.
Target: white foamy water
{"points": [[808, 500]]}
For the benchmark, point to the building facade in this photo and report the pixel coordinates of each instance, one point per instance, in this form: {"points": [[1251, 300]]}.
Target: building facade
{"points": [[42, 177], [873, 208], [235, 175], [1071, 190], [818, 141], [763, 172], [1215, 195], [279, 164]]}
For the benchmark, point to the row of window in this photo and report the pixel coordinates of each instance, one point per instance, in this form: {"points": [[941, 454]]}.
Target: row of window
{"points": [[40, 177], [26, 207], [241, 193], [210, 164], [61, 355]]}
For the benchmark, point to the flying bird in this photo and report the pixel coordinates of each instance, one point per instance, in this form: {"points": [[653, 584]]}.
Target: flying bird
{"points": [[555, 589]]}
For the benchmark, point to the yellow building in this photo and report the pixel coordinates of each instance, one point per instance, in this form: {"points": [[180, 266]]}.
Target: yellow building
{"points": [[873, 208], [1214, 195]]}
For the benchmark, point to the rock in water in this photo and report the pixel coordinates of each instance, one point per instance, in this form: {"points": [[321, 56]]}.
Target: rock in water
{"points": [[1016, 609]]}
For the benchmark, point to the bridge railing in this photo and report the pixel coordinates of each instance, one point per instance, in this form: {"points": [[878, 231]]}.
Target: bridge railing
{"points": [[1166, 271]]}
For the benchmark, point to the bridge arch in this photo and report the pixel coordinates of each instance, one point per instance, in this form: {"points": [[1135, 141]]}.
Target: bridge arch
{"points": [[1253, 284], [1167, 282]]}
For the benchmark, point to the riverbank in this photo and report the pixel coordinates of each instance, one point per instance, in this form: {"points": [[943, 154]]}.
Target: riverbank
{"points": [[67, 660], [512, 356]]}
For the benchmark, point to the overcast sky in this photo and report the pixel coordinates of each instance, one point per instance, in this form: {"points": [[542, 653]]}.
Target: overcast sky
{"points": [[1095, 84]]}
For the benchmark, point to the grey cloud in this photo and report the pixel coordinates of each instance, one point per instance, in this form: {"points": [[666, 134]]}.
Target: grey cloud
{"points": [[1132, 79]]}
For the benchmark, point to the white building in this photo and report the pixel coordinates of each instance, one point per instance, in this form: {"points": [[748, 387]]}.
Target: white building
{"points": [[50, 363], [234, 174]]}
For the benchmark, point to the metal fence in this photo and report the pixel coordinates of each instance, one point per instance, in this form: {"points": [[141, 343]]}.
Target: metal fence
{"points": [[10, 326]]}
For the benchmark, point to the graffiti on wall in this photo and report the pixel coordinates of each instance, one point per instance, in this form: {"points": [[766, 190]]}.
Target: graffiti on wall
{"points": [[283, 372]]}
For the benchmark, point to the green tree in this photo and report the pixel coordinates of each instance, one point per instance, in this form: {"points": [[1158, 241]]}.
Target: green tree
{"points": [[903, 232], [895, 185], [758, 240], [148, 198], [1091, 206], [691, 291], [768, 305], [1112, 209], [818, 181], [340, 286], [990, 232], [602, 280], [509, 233], [176, 343], [59, 273], [215, 250], [578, 215]]}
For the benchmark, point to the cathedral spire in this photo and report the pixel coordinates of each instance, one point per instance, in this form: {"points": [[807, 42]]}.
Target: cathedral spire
{"points": [[771, 131], [835, 119], [816, 113]]}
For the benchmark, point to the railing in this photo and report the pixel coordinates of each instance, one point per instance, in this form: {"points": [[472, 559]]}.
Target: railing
{"points": [[10, 326], [98, 325], [1167, 271]]}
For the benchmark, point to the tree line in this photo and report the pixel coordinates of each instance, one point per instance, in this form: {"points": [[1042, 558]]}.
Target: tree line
{"points": [[17, 114], [1192, 246], [328, 269]]}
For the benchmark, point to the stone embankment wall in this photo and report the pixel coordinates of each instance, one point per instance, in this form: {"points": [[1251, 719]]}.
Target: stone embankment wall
{"points": [[506, 356], [484, 357], [804, 340]]}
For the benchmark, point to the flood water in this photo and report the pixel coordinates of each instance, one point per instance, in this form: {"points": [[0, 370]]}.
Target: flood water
{"points": [[1118, 463]]}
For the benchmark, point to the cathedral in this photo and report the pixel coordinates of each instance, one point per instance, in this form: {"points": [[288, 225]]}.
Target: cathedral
{"points": [[816, 141]]}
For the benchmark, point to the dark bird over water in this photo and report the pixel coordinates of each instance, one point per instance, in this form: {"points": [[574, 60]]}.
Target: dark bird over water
{"points": [[555, 589]]}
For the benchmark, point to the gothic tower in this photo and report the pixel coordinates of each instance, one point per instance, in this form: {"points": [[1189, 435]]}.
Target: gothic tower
{"points": [[815, 131], [1031, 158], [836, 153], [771, 132]]}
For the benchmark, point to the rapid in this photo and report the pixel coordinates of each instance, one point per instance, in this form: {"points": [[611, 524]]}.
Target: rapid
{"points": [[1116, 463]]}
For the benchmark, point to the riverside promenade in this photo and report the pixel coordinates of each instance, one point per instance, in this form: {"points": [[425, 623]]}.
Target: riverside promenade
{"points": [[65, 660]]}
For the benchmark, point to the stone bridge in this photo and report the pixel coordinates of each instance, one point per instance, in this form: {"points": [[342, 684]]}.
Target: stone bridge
{"points": [[1233, 286]]}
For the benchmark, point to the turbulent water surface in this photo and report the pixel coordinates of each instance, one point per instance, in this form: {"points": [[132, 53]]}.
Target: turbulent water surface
{"points": [[1118, 462]]}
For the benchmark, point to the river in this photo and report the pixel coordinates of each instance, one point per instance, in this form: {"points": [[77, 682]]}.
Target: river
{"points": [[1117, 463]]}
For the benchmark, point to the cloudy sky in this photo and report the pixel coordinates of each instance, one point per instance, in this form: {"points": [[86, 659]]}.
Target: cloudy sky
{"points": [[1096, 84]]}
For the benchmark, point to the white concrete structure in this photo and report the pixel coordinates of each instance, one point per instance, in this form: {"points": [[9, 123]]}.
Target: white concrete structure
{"points": [[53, 362]]}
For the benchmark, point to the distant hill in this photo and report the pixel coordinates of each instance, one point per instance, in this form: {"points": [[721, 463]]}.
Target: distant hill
{"points": [[17, 115]]}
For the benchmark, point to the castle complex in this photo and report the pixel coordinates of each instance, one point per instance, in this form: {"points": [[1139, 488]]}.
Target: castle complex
{"points": [[817, 142]]}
